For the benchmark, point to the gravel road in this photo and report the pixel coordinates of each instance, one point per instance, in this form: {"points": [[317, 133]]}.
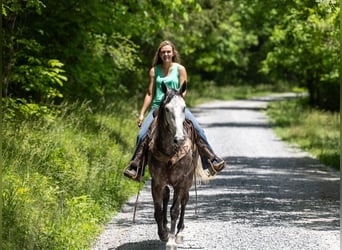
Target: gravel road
{"points": [[270, 196]]}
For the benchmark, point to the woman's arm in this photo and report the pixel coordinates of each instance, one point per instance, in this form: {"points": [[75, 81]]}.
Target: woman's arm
{"points": [[148, 97]]}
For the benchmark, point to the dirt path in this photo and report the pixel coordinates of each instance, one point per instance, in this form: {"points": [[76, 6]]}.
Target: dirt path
{"points": [[271, 196]]}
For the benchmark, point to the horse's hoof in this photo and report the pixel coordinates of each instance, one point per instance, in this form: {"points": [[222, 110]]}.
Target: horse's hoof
{"points": [[164, 237], [179, 238], [171, 244], [171, 247]]}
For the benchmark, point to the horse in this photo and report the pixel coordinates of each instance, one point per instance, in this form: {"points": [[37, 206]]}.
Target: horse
{"points": [[172, 159]]}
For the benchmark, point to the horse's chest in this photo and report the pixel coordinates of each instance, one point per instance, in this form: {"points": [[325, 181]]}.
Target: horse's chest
{"points": [[174, 154]]}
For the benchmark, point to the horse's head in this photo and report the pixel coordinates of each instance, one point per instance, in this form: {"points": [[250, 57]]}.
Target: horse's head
{"points": [[173, 108]]}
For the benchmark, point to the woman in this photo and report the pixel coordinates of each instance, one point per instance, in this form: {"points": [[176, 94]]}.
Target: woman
{"points": [[166, 68]]}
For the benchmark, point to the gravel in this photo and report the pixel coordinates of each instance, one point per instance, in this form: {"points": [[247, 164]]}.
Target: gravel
{"points": [[270, 196]]}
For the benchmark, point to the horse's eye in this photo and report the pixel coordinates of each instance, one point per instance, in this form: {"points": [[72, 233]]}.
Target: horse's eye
{"points": [[167, 109]]}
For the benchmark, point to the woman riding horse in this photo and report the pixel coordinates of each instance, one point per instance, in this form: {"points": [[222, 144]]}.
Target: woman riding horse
{"points": [[166, 68], [172, 161]]}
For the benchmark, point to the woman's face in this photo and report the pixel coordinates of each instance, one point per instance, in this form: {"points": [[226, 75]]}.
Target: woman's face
{"points": [[166, 53]]}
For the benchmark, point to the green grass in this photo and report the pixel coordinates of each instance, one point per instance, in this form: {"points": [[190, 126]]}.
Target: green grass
{"points": [[315, 131], [62, 175]]}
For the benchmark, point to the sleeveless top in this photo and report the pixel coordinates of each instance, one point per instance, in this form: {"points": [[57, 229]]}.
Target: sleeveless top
{"points": [[171, 81]]}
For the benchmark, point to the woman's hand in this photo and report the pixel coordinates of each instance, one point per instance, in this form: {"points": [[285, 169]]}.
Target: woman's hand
{"points": [[140, 120]]}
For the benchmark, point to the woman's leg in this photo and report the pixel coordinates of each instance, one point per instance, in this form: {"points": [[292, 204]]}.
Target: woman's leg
{"points": [[143, 131], [209, 159], [135, 168], [197, 126]]}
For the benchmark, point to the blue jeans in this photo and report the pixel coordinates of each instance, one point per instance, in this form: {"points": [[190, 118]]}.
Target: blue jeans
{"points": [[188, 115]]}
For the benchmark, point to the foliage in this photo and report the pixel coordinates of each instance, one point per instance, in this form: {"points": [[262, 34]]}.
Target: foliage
{"points": [[305, 48], [26, 74], [215, 42], [104, 48], [314, 131], [98, 44], [58, 189]]}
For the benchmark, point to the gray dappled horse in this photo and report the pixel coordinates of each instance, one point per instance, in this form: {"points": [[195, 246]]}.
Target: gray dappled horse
{"points": [[172, 160]]}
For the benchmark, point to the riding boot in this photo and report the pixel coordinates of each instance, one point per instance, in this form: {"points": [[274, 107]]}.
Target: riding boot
{"points": [[136, 167], [216, 163]]}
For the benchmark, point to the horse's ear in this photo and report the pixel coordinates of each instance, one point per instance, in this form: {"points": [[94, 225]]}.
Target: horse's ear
{"points": [[183, 88], [164, 87]]}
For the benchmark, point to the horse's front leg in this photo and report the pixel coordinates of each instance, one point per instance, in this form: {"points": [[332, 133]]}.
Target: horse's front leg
{"points": [[166, 198], [180, 226], [175, 210], [157, 194], [171, 244]]}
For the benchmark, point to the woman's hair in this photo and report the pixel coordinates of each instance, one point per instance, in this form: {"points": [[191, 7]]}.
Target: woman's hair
{"points": [[157, 60]]}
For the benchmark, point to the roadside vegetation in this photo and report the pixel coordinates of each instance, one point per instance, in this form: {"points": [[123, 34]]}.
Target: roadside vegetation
{"points": [[315, 131], [62, 174]]}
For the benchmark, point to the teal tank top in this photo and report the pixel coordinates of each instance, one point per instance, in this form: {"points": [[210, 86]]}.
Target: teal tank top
{"points": [[171, 81]]}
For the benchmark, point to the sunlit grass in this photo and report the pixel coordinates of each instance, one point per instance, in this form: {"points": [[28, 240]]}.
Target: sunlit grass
{"points": [[315, 131], [63, 178]]}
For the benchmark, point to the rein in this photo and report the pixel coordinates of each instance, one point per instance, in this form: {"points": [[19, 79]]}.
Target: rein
{"points": [[171, 160]]}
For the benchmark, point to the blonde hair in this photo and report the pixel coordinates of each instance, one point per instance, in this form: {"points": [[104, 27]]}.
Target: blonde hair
{"points": [[157, 59]]}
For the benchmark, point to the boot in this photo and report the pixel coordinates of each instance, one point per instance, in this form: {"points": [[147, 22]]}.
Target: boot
{"points": [[216, 163], [136, 167]]}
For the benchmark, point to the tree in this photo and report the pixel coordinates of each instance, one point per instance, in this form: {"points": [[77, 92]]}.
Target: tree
{"points": [[94, 49], [99, 44], [215, 42], [25, 72], [305, 48]]}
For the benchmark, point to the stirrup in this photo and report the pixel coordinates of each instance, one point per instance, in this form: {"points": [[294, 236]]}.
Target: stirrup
{"points": [[132, 174], [216, 167]]}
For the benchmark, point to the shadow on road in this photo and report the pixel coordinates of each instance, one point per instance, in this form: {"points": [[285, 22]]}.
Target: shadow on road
{"points": [[273, 192], [267, 192], [143, 245]]}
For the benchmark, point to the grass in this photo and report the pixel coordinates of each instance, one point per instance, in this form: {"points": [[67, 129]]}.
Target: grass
{"points": [[62, 175], [315, 131]]}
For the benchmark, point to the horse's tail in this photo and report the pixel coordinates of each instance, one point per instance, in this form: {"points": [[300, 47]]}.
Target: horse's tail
{"points": [[201, 176]]}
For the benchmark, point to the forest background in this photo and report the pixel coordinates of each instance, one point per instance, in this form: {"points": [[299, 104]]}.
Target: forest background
{"points": [[74, 74]]}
